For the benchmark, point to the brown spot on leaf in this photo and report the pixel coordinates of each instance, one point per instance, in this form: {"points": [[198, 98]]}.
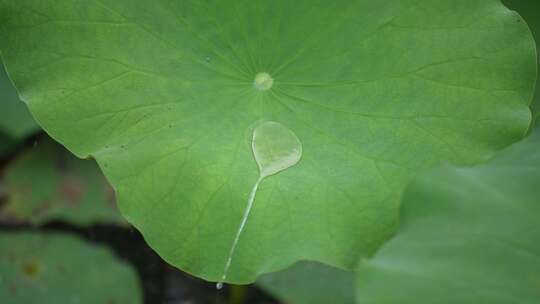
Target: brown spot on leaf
{"points": [[71, 190], [31, 269], [13, 211], [60, 163]]}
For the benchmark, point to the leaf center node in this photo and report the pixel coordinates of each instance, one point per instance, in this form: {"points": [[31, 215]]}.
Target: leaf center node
{"points": [[263, 81]]}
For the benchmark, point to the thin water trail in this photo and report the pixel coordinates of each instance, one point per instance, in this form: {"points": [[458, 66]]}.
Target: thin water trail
{"points": [[251, 199], [275, 148]]}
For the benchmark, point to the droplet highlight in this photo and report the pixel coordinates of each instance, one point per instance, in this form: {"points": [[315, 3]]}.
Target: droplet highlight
{"points": [[275, 148]]}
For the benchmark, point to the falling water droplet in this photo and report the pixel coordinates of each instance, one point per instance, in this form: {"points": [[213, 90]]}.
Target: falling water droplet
{"points": [[275, 148]]}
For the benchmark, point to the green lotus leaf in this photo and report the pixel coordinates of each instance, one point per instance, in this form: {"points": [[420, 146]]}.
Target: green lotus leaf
{"points": [[165, 96], [530, 10], [468, 235], [47, 183], [60, 268], [310, 283], [15, 119]]}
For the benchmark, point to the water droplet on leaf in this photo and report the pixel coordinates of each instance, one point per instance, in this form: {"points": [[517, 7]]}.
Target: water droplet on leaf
{"points": [[275, 148]]}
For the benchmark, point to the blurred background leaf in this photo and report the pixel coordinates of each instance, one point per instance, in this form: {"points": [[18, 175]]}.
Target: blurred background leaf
{"points": [[47, 183], [6, 144], [59, 268], [15, 119], [16, 123], [310, 283], [468, 235]]}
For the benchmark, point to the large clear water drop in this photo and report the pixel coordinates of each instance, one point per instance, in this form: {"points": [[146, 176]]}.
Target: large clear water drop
{"points": [[275, 148]]}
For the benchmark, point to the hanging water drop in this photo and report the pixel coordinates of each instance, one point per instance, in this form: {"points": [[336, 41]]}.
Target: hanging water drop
{"points": [[275, 148]]}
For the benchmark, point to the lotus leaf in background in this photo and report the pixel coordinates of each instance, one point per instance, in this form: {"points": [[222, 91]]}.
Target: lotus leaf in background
{"points": [[60, 268], [310, 283], [165, 95], [530, 11], [6, 145], [468, 235], [15, 120], [47, 183]]}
